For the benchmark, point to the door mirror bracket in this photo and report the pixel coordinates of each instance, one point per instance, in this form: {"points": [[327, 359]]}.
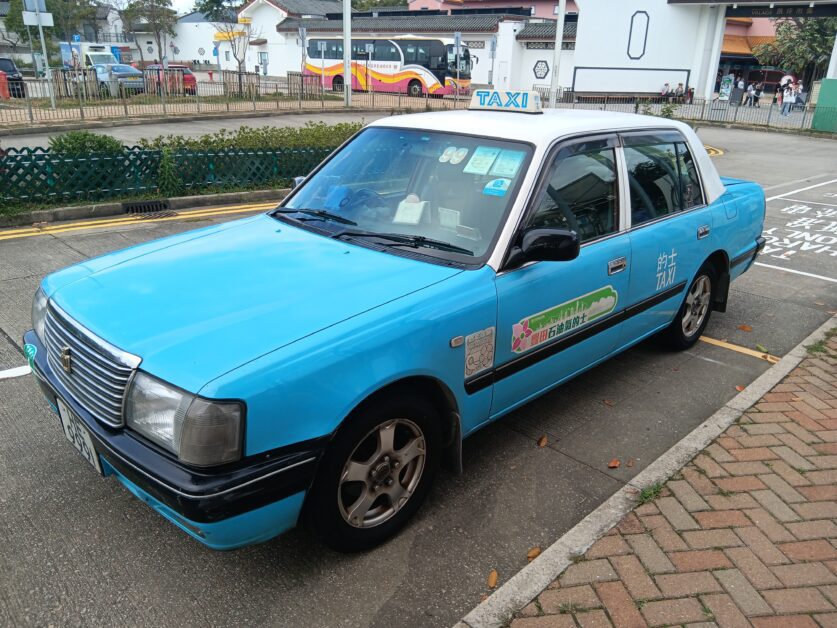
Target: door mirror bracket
{"points": [[544, 245]]}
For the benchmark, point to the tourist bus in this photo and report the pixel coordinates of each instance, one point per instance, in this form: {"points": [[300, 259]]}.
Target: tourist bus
{"points": [[407, 65]]}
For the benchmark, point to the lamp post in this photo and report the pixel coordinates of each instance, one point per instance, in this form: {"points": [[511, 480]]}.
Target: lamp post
{"points": [[556, 58], [347, 53]]}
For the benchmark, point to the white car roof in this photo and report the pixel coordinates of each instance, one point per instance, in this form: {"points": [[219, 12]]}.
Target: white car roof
{"points": [[544, 128]]}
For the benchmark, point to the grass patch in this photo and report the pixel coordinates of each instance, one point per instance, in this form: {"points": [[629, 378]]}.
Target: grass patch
{"points": [[820, 347], [568, 608], [650, 493]]}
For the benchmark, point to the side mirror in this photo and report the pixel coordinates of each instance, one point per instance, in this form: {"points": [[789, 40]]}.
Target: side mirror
{"points": [[545, 245], [296, 182]]}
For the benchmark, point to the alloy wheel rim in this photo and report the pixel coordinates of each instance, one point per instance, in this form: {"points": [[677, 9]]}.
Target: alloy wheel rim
{"points": [[382, 473], [697, 305]]}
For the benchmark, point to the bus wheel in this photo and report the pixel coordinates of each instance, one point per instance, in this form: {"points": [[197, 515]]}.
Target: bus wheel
{"points": [[414, 89], [337, 84]]}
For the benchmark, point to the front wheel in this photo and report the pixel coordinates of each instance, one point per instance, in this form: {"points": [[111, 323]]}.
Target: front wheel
{"points": [[693, 315], [376, 473], [414, 89]]}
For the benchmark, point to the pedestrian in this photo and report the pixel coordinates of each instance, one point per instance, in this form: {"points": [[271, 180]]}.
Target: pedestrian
{"points": [[678, 92], [759, 90], [740, 83], [788, 99], [665, 90], [751, 95]]}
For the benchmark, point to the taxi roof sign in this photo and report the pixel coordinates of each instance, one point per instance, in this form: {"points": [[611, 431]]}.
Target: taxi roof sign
{"points": [[501, 100]]}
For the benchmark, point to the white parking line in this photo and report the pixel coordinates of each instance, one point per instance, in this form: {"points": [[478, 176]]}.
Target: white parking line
{"points": [[799, 200], [781, 185], [795, 272], [15, 372], [810, 187]]}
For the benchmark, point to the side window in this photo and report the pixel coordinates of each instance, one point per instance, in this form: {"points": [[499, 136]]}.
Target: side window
{"points": [[386, 51], [410, 52], [653, 180], [689, 179], [334, 50], [582, 193], [423, 53]]}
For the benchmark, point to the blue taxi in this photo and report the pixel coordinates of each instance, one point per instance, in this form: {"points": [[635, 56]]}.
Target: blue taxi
{"points": [[319, 362]]}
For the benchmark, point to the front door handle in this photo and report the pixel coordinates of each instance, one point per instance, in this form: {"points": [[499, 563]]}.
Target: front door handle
{"points": [[617, 265], [702, 232]]}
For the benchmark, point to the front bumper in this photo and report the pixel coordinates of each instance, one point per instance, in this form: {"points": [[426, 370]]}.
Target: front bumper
{"points": [[230, 506]]}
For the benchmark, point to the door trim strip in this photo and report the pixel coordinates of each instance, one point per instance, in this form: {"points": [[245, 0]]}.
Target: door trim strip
{"points": [[515, 365]]}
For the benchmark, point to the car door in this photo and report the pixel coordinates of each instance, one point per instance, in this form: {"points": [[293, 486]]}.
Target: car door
{"points": [[670, 230], [558, 318]]}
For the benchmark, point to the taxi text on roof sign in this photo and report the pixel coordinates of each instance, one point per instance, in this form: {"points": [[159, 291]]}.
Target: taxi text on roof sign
{"points": [[492, 100]]}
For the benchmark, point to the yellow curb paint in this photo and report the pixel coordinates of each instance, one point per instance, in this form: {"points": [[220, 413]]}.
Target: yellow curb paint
{"points": [[751, 352], [133, 219], [714, 152]]}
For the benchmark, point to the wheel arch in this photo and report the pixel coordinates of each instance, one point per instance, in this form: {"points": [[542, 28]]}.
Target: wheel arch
{"points": [[720, 261]]}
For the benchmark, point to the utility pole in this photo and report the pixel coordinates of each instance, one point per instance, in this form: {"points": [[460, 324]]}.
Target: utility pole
{"points": [[347, 53], [832, 64], [44, 52], [556, 58]]}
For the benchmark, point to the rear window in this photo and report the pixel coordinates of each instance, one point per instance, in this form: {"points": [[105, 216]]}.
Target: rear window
{"points": [[7, 65]]}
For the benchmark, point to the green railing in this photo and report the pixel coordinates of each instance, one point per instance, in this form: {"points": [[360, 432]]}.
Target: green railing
{"points": [[36, 176]]}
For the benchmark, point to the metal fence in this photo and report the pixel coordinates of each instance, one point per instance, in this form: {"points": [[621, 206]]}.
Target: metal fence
{"points": [[36, 175]]}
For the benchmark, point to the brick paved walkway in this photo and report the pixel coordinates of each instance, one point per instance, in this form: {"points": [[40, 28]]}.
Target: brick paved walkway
{"points": [[744, 535]]}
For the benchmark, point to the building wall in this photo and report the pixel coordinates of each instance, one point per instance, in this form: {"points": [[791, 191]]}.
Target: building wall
{"points": [[621, 47], [528, 59], [283, 50], [195, 42]]}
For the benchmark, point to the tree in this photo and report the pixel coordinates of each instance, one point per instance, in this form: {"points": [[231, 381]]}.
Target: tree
{"points": [[803, 46], [14, 33], [155, 17], [69, 16], [224, 18], [371, 5]]}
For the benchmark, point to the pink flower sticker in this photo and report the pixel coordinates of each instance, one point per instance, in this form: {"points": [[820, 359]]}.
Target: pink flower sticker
{"points": [[520, 336]]}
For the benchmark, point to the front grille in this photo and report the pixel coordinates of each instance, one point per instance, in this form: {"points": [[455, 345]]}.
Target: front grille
{"points": [[99, 372]]}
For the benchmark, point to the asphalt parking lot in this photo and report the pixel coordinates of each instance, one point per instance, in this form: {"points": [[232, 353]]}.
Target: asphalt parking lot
{"points": [[79, 550]]}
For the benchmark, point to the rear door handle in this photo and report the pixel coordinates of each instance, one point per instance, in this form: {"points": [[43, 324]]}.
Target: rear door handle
{"points": [[702, 232], [617, 265]]}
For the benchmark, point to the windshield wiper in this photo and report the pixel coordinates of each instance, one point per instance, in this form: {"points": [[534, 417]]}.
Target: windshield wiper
{"points": [[400, 239], [318, 214]]}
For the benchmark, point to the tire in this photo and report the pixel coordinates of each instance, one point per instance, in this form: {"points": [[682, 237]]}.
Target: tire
{"points": [[352, 515], [693, 316], [337, 84], [414, 89]]}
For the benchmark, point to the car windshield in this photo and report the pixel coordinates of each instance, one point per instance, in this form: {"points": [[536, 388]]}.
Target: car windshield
{"points": [[6, 65], [100, 57], [125, 69], [446, 192]]}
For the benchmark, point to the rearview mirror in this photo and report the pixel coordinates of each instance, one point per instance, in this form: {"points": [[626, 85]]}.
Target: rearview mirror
{"points": [[296, 182], [545, 245]]}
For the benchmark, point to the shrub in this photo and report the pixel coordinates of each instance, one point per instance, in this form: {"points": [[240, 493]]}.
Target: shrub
{"points": [[82, 143], [168, 179]]}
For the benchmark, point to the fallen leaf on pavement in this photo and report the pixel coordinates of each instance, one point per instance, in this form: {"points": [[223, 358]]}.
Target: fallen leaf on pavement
{"points": [[542, 441], [632, 491], [630, 462], [613, 464], [492, 579], [675, 368], [745, 328], [39, 225], [820, 303], [739, 388], [607, 402], [762, 348], [533, 553], [796, 399], [484, 597]]}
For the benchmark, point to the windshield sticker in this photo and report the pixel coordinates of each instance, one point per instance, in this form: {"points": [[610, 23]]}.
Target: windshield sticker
{"points": [[557, 321], [481, 160], [449, 152], [497, 187], [479, 351], [409, 211], [459, 155], [449, 218], [30, 351], [508, 163], [666, 269]]}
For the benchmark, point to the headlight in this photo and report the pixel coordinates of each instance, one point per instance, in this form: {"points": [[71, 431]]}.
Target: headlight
{"points": [[201, 432], [39, 308]]}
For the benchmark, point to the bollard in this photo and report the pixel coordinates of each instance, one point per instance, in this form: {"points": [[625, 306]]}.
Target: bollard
{"points": [[28, 102]]}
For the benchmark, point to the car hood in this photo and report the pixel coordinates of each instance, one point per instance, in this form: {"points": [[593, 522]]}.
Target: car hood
{"points": [[197, 305]]}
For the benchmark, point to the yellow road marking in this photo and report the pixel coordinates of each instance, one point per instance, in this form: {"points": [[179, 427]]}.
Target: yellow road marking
{"points": [[132, 219], [751, 352], [714, 152]]}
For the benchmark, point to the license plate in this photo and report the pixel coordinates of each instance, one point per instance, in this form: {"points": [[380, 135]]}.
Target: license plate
{"points": [[78, 435]]}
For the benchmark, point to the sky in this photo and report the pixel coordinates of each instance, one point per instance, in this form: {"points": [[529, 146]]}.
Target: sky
{"points": [[183, 6]]}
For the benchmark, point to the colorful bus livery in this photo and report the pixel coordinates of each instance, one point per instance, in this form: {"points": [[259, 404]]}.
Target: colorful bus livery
{"points": [[406, 65]]}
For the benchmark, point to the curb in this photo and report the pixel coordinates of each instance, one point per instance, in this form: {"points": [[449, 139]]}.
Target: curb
{"points": [[741, 126], [100, 210], [37, 129], [526, 584]]}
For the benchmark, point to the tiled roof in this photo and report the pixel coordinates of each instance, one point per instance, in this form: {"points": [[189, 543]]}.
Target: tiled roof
{"points": [[310, 7], [404, 24], [197, 16], [546, 30]]}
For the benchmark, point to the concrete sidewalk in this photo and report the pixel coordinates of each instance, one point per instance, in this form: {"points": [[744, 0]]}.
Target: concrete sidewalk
{"points": [[744, 535]]}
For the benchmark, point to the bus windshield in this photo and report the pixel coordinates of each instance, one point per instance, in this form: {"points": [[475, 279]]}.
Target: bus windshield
{"points": [[464, 61]]}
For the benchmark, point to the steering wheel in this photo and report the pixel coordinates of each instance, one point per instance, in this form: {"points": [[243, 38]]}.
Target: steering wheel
{"points": [[364, 196]]}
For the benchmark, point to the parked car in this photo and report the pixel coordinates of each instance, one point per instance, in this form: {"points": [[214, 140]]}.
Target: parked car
{"points": [[116, 78], [318, 362], [17, 88], [174, 72]]}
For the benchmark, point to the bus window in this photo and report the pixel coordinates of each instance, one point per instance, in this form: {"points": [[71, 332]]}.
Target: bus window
{"points": [[334, 50], [386, 51], [423, 53], [359, 49]]}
